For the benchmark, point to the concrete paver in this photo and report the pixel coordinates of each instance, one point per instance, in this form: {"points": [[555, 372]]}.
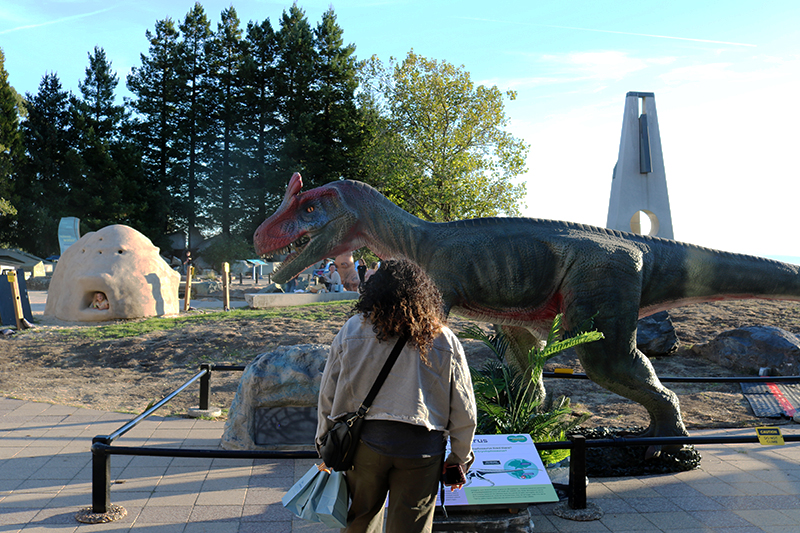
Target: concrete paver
{"points": [[45, 478]]}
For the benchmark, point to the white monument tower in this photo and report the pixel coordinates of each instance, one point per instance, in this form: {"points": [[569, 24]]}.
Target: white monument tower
{"points": [[639, 200]]}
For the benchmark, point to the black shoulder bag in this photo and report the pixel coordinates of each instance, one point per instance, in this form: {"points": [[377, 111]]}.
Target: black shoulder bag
{"points": [[339, 444]]}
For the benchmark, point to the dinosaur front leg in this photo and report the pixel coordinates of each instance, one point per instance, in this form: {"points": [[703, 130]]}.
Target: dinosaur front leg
{"points": [[521, 341]]}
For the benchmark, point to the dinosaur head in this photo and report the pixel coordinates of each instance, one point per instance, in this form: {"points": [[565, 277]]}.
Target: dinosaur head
{"points": [[310, 226]]}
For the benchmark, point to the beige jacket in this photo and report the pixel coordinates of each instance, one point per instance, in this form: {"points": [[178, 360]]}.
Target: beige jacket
{"points": [[438, 396]]}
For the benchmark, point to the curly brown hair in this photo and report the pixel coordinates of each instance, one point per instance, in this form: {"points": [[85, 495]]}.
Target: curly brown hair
{"points": [[400, 299]]}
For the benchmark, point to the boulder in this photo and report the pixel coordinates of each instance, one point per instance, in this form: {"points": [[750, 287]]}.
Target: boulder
{"points": [[205, 288], [286, 379], [39, 283], [752, 348], [656, 335], [124, 267]]}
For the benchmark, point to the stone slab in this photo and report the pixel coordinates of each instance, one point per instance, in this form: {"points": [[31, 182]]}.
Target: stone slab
{"points": [[275, 426], [265, 301]]}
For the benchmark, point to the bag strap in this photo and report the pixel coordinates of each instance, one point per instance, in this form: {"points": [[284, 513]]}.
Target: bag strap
{"points": [[384, 373]]}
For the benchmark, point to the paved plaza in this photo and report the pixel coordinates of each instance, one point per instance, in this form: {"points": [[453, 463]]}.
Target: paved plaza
{"points": [[45, 478]]}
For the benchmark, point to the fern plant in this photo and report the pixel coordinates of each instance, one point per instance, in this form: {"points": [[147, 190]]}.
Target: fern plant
{"points": [[507, 395]]}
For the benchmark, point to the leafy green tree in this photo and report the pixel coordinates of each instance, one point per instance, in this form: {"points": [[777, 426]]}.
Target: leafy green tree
{"points": [[155, 84], [6, 208], [11, 147], [439, 147], [227, 249]]}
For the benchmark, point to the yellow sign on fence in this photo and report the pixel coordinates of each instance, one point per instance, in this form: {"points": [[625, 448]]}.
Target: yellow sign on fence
{"points": [[769, 436]]}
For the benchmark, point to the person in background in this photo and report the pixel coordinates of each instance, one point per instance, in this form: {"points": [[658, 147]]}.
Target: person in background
{"points": [[426, 399], [371, 270], [332, 278], [361, 268], [291, 285], [99, 301], [187, 262]]}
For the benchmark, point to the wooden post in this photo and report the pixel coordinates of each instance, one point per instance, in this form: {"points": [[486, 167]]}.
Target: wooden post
{"points": [[12, 279], [226, 293], [187, 298]]}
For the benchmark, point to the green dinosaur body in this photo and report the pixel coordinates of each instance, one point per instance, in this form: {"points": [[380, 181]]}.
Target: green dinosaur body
{"points": [[521, 272]]}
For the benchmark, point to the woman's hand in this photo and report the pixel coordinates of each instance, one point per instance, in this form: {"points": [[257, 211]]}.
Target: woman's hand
{"points": [[453, 475]]}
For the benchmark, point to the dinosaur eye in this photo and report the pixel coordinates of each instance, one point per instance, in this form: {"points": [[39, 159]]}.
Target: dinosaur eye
{"points": [[310, 209]]}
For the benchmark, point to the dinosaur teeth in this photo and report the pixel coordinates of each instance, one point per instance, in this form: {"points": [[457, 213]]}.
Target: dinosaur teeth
{"points": [[293, 249], [298, 244]]}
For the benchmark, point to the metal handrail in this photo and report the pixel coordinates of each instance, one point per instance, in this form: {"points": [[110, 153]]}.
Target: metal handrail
{"points": [[712, 379]]}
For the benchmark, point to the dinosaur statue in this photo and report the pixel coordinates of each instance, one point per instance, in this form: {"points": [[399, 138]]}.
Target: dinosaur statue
{"points": [[521, 272]]}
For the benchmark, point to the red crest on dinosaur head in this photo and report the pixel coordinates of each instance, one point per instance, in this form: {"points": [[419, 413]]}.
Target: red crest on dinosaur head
{"points": [[294, 187], [276, 232]]}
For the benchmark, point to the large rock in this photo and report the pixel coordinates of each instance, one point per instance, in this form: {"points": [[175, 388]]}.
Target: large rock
{"points": [[285, 380], [655, 335], [205, 288], [119, 262], [751, 348]]}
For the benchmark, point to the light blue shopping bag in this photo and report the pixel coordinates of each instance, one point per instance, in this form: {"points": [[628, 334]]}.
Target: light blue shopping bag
{"points": [[298, 497], [331, 504]]}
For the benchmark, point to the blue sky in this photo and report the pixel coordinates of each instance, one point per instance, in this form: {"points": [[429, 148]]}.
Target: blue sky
{"points": [[726, 78]]}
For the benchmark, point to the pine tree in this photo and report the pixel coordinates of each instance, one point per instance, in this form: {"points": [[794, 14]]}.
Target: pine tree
{"points": [[155, 85], [262, 186], [226, 96], [109, 190], [337, 133], [52, 168], [294, 85], [193, 113], [99, 109]]}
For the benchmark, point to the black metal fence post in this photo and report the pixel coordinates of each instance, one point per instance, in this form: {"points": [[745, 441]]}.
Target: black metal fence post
{"points": [[205, 386], [101, 475], [577, 472]]}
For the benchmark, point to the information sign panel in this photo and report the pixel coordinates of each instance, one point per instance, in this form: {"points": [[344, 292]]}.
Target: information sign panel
{"points": [[507, 470]]}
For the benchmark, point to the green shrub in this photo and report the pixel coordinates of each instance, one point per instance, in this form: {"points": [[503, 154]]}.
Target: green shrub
{"points": [[227, 249], [506, 395]]}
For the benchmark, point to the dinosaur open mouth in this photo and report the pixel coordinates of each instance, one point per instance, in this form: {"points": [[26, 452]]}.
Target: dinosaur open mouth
{"points": [[292, 250]]}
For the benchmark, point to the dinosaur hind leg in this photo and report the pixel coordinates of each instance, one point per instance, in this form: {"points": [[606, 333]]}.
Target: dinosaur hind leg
{"points": [[631, 375]]}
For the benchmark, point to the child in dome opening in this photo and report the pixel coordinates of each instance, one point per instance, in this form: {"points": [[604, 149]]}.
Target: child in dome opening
{"points": [[99, 301]]}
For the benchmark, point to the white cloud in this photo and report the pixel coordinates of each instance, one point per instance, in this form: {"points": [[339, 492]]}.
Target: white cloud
{"points": [[574, 69], [609, 64]]}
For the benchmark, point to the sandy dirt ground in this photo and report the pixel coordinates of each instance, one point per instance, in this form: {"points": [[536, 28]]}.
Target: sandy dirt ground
{"points": [[56, 362]]}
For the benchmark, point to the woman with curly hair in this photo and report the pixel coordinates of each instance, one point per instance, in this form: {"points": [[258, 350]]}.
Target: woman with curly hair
{"points": [[426, 399]]}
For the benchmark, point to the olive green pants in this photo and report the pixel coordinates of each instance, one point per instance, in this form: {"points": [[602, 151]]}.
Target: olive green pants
{"points": [[411, 484]]}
